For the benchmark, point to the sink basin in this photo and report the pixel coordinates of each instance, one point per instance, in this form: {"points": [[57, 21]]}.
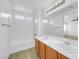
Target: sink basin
{"points": [[68, 48], [64, 46], [55, 41]]}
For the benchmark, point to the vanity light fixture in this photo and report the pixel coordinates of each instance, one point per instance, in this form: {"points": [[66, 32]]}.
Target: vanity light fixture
{"points": [[5, 15], [60, 3], [28, 18], [45, 21], [19, 17]]}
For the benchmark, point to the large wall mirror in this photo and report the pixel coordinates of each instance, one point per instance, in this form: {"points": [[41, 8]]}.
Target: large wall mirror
{"points": [[54, 26], [71, 26]]}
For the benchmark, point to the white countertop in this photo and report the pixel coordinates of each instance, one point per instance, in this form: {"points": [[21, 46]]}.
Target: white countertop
{"points": [[67, 47]]}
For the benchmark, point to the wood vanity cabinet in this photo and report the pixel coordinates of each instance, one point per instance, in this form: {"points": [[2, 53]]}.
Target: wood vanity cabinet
{"points": [[50, 53], [37, 46], [42, 51], [45, 52], [40, 48], [60, 56]]}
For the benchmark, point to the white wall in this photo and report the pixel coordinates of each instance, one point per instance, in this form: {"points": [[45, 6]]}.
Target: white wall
{"points": [[21, 32], [20, 35], [4, 40]]}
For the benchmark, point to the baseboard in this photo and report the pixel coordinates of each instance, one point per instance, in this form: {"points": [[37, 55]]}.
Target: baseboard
{"points": [[21, 46]]}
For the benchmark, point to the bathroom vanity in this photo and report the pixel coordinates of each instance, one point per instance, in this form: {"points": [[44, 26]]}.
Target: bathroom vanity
{"points": [[51, 48], [45, 52]]}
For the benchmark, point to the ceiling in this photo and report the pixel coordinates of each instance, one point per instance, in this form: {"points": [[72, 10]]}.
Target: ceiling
{"points": [[30, 5], [27, 6]]}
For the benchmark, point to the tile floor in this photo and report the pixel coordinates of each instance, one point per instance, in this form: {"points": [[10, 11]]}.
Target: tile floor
{"points": [[26, 54]]}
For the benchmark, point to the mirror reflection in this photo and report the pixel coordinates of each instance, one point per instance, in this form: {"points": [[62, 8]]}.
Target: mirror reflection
{"points": [[71, 25]]}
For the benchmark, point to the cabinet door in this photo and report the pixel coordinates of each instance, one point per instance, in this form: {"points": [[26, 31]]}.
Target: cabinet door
{"points": [[42, 50], [63, 57], [50, 53], [60, 56], [37, 45]]}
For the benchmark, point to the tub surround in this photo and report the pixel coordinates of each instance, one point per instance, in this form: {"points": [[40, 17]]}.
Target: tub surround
{"points": [[66, 47]]}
